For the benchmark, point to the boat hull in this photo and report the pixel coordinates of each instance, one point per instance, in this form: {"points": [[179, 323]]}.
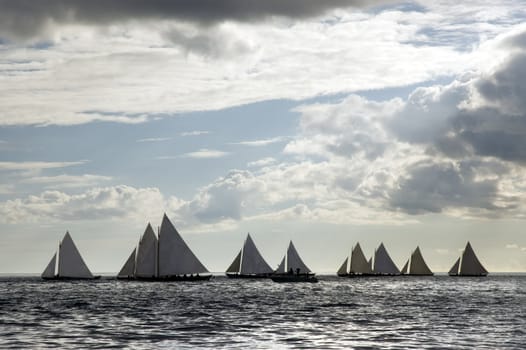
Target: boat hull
{"points": [[242, 276], [60, 278], [357, 275], [291, 278], [192, 278], [480, 275]]}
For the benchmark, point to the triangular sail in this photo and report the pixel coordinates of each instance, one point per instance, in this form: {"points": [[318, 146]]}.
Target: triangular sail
{"points": [[470, 264], [404, 269], [128, 270], [359, 263], [70, 262], [294, 261], [175, 257], [146, 254], [383, 264], [343, 269], [49, 271], [418, 265], [454, 269], [281, 266], [252, 262], [236, 264]]}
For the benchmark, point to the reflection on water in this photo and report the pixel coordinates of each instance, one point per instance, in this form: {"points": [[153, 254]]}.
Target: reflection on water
{"points": [[401, 312]]}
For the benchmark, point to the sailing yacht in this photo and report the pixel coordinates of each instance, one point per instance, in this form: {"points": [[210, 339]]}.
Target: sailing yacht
{"points": [[383, 264], [163, 258], [293, 269], [468, 265], [67, 263], [357, 265], [416, 265], [249, 263]]}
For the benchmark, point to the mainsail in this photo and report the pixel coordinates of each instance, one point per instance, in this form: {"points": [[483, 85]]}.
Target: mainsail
{"points": [[70, 262], [146, 257], [175, 257], [359, 263], [128, 270], [292, 262], [468, 264], [383, 264]]}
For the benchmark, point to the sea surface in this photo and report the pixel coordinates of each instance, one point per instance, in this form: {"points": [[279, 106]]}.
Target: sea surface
{"points": [[368, 313]]}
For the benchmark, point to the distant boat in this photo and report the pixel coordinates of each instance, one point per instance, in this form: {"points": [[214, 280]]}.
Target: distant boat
{"points": [[383, 264], [416, 265], [293, 269], [167, 258], [468, 265], [357, 265], [67, 263], [249, 263]]}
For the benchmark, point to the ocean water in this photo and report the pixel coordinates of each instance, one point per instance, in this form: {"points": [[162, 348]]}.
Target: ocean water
{"points": [[369, 313]]}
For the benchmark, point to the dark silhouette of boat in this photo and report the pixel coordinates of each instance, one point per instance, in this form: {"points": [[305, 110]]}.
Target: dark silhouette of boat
{"points": [[249, 263], [468, 265], [293, 269], [416, 265], [357, 265]]}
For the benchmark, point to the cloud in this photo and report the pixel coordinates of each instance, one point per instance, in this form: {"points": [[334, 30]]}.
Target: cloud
{"points": [[512, 246], [262, 162], [154, 139], [67, 181], [27, 18], [194, 133], [37, 165], [118, 202], [259, 143], [205, 153]]}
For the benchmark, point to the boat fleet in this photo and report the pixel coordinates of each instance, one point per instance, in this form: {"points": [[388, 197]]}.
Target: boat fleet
{"points": [[165, 256]]}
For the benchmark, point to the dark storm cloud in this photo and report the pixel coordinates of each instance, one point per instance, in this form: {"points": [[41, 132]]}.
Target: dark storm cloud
{"points": [[433, 187], [28, 18]]}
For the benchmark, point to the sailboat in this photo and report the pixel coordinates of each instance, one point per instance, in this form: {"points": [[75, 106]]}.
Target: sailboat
{"points": [[383, 264], [67, 263], [249, 263], [164, 258], [468, 265], [416, 265], [293, 269], [357, 265]]}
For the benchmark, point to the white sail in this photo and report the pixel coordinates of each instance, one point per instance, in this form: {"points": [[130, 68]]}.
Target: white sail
{"points": [[418, 265], [281, 266], [252, 262], [383, 264], [234, 267], [50, 270], [128, 270], [454, 269], [343, 269], [470, 264], [175, 257], [404, 269], [70, 262], [294, 261], [359, 263], [146, 257]]}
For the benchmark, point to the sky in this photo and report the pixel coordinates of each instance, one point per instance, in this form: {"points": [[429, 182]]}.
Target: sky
{"points": [[321, 122]]}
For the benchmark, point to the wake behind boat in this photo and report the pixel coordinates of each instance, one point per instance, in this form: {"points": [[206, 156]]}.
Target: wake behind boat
{"points": [[167, 258], [249, 263], [67, 263], [293, 269]]}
